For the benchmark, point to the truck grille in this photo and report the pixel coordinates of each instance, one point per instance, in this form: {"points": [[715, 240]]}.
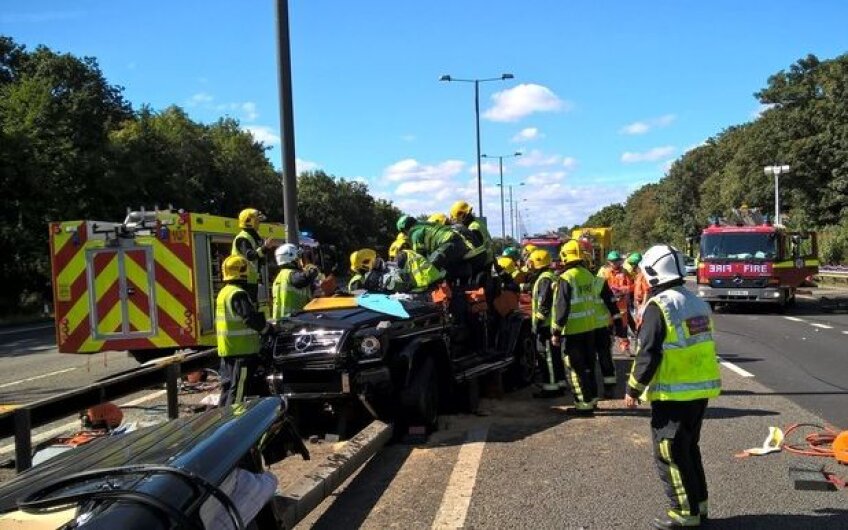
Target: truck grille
{"points": [[308, 344], [738, 282]]}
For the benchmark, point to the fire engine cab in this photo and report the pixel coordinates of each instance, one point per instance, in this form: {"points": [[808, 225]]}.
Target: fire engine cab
{"points": [[147, 285], [746, 259]]}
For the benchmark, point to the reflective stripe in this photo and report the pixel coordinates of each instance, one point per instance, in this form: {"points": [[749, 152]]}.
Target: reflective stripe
{"points": [[686, 387], [239, 333], [689, 341], [633, 383], [676, 481]]}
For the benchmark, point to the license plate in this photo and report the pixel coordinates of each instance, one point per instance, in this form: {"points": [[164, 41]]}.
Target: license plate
{"points": [[737, 293]]}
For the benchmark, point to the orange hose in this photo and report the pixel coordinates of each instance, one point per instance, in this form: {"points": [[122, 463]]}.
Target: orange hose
{"points": [[819, 443]]}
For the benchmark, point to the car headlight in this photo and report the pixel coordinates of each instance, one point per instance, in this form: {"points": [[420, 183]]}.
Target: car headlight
{"points": [[370, 346]]}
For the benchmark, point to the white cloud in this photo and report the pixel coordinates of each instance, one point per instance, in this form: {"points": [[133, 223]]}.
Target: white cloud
{"points": [[642, 127], [536, 157], [201, 98], [486, 168], [419, 186], [302, 165], [569, 163], [651, 155], [762, 108], [666, 166], [249, 110], [515, 103], [529, 134], [545, 178], [411, 169], [263, 134]]}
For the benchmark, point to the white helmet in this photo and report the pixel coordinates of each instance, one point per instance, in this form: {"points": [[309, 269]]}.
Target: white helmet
{"points": [[287, 253], [663, 264]]}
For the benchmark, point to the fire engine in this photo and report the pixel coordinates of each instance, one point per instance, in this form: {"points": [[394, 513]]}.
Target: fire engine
{"points": [[147, 285], [595, 243], [745, 259], [550, 243]]}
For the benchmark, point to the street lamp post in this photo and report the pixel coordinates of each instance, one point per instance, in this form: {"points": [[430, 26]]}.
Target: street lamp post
{"points": [[512, 209], [776, 171], [477, 82], [500, 169]]}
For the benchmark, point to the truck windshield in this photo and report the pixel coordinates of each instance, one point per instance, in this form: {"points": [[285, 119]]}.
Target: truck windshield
{"points": [[738, 246]]}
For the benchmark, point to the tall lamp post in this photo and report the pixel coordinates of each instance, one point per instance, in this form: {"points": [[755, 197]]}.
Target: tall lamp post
{"points": [[286, 121], [500, 169], [776, 171], [512, 210], [477, 82]]}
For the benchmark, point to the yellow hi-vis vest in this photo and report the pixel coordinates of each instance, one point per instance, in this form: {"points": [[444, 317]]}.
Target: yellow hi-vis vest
{"points": [[288, 299], [252, 266], [537, 317], [581, 316], [485, 247], [602, 314], [235, 338], [424, 274], [689, 368]]}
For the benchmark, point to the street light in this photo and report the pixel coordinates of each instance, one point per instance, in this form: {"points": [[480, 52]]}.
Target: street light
{"points": [[776, 171], [500, 168], [512, 210], [477, 82]]}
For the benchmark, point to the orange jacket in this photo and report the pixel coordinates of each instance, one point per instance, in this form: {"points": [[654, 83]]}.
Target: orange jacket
{"points": [[620, 282], [640, 289]]}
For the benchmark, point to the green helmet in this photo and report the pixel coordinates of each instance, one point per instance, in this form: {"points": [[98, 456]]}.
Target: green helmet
{"points": [[511, 252], [634, 258], [405, 223], [613, 255]]}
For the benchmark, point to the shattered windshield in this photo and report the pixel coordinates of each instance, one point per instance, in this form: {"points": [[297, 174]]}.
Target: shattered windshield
{"points": [[739, 246]]}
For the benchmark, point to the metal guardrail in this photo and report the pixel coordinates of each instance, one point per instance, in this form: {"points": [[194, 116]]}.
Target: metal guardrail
{"points": [[838, 274], [20, 421]]}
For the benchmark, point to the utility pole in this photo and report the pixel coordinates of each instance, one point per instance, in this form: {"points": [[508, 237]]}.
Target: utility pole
{"points": [[776, 170], [287, 123]]}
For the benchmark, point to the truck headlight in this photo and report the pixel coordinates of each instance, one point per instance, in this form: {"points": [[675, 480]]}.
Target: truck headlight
{"points": [[776, 294], [370, 346]]}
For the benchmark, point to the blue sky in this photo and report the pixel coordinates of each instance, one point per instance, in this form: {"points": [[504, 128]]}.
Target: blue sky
{"points": [[605, 94]]}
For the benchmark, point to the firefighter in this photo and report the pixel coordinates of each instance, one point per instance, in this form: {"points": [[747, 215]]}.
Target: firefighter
{"points": [[361, 263], [441, 245], [238, 326], [293, 285], [573, 328], [622, 288], [607, 319], [677, 369], [542, 302], [420, 274], [438, 219], [401, 242], [249, 244], [481, 256]]}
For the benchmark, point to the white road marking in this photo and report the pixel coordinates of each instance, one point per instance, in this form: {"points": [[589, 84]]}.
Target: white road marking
{"points": [[42, 376], [457, 496], [75, 425], [730, 366], [25, 330], [795, 319], [845, 332], [822, 326]]}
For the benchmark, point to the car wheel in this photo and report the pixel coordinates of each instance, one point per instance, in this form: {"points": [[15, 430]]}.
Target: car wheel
{"points": [[422, 397], [526, 361]]}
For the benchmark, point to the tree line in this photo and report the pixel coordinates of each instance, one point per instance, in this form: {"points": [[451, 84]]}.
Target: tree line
{"points": [[72, 147], [804, 124]]}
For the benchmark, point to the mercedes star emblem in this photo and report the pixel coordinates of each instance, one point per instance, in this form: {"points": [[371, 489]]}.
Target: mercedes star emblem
{"points": [[302, 342]]}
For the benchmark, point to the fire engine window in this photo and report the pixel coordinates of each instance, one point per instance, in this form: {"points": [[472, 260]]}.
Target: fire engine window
{"points": [[739, 246]]}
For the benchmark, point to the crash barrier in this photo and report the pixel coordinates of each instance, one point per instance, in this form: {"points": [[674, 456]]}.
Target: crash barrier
{"points": [[833, 275], [20, 421], [306, 494]]}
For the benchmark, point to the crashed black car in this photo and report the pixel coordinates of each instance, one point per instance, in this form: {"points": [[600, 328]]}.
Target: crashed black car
{"points": [[399, 368]]}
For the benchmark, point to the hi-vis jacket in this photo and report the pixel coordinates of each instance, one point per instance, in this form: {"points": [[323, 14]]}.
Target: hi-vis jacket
{"points": [[677, 353]]}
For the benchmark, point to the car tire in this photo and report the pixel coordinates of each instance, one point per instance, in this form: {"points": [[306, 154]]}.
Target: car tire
{"points": [[421, 397], [526, 361]]}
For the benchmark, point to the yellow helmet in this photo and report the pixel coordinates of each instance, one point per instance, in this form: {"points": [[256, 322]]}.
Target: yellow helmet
{"points": [[363, 260], [460, 210], [234, 268], [401, 242], [539, 259], [438, 218], [507, 264], [570, 252], [250, 218]]}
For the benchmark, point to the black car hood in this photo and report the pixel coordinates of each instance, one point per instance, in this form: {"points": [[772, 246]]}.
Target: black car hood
{"points": [[356, 317]]}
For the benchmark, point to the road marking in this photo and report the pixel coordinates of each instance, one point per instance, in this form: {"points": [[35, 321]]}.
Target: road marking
{"points": [[457, 496], [845, 332], [75, 425], [42, 376], [822, 326], [729, 365], [25, 330], [795, 319]]}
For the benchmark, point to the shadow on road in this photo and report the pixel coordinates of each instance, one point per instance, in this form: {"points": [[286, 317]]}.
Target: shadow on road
{"points": [[810, 393], [829, 518], [725, 413]]}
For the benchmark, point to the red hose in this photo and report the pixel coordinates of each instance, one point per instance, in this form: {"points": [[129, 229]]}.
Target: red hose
{"points": [[819, 443]]}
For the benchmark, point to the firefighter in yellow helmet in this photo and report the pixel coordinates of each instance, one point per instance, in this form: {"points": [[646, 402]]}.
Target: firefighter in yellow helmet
{"points": [[367, 270], [238, 326], [438, 219], [542, 300], [481, 257], [401, 242], [249, 245], [573, 328], [677, 369]]}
